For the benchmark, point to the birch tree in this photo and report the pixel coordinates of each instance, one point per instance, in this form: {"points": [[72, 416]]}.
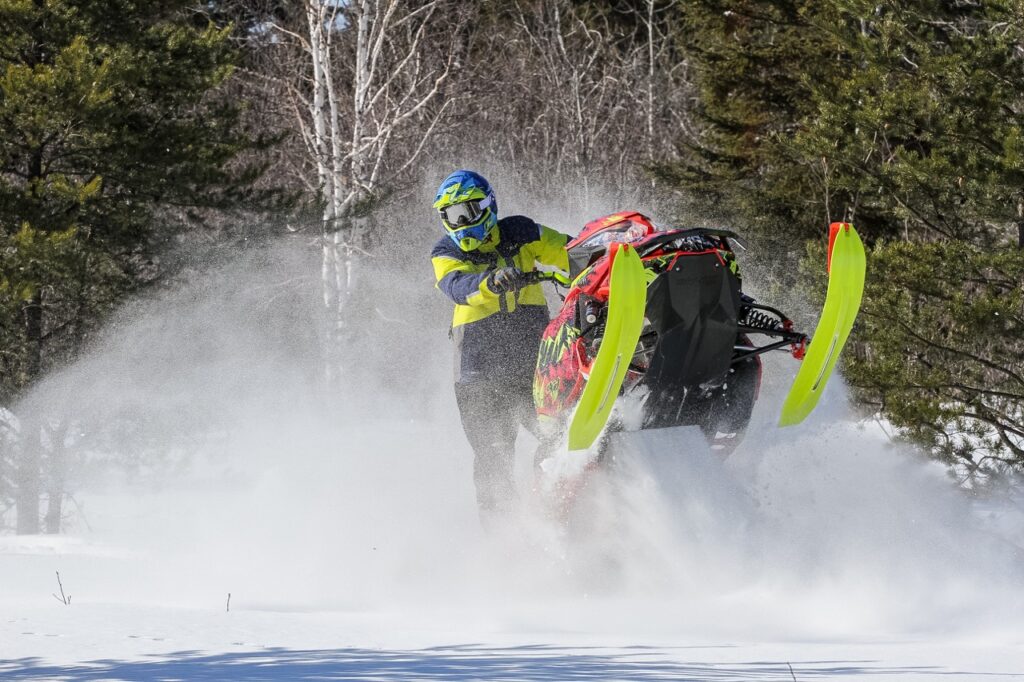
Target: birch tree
{"points": [[366, 106]]}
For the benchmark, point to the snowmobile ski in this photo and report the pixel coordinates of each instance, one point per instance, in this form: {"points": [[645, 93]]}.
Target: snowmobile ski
{"points": [[846, 268], [627, 300]]}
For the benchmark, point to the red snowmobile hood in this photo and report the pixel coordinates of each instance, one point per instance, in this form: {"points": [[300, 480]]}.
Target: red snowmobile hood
{"points": [[632, 225], [593, 241]]}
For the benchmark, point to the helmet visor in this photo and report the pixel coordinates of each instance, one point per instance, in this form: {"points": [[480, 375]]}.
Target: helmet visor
{"points": [[461, 215]]}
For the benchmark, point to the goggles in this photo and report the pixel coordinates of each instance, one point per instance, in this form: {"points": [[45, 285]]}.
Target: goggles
{"points": [[464, 214]]}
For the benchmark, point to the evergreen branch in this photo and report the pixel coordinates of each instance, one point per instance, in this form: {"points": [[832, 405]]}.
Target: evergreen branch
{"points": [[937, 346]]}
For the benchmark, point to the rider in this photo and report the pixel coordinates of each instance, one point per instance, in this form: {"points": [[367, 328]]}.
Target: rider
{"points": [[484, 265]]}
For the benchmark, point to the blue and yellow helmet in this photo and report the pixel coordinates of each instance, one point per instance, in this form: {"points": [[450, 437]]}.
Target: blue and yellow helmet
{"points": [[468, 208]]}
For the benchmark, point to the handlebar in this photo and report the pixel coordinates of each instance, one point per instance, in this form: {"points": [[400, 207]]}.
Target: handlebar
{"points": [[539, 276]]}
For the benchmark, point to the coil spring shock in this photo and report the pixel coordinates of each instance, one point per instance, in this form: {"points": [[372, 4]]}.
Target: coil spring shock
{"points": [[761, 320]]}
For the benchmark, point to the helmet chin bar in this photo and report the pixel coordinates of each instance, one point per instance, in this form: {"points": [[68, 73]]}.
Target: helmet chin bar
{"points": [[472, 243], [469, 244]]}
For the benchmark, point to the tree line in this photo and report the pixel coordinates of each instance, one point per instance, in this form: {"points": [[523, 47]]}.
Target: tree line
{"points": [[125, 126]]}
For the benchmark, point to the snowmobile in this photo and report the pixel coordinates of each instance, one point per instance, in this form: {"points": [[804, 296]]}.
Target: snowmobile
{"points": [[659, 315]]}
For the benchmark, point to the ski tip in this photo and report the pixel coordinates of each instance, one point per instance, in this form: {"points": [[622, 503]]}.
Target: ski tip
{"points": [[848, 232], [833, 232]]}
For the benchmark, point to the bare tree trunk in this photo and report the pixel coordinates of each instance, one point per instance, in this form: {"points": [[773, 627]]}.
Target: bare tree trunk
{"points": [[27, 478], [28, 474], [1020, 223], [336, 285], [6, 459], [323, 112], [650, 81], [340, 256], [56, 477], [54, 508]]}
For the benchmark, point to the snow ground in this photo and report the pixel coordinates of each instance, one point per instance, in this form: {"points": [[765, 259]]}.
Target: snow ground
{"points": [[140, 643], [132, 640], [348, 540], [416, 591]]}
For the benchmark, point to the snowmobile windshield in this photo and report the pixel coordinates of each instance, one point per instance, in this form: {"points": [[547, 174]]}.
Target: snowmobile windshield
{"points": [[626, 232]]}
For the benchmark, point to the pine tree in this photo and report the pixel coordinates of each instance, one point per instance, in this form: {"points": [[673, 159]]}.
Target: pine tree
{"points": [[110, 124], [942, 352], [755, 63], [923, 138], [923, 143], [906, 118]]}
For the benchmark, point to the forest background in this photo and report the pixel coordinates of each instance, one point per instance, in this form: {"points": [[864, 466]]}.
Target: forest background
{"points": [[141, 142]]}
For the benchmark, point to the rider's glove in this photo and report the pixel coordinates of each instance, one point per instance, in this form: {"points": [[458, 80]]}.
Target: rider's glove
{"points": [[506, 279]]}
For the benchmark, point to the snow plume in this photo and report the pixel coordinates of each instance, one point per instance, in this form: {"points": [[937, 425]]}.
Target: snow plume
{"points": [[823, 530], [236, 472]]}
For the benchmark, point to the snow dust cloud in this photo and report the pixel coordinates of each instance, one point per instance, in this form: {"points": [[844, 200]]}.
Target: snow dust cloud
{"points": [[212, 461]]}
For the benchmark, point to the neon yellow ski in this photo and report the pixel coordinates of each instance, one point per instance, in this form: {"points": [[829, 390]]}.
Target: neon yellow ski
{"points": [[842, 302], [627, 300]]}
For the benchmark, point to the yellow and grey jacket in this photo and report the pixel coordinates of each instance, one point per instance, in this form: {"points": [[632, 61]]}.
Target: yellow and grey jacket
{"points": [[497, 334]]}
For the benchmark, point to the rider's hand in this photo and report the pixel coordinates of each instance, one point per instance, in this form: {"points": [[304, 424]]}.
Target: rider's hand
{"points": [[507, 279]]}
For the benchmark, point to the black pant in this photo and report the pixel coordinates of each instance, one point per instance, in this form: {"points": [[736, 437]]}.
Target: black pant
{"points": [[491, 413]]}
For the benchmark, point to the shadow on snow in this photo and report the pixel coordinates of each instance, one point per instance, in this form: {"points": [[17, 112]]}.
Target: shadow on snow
{"points": [[469, 662]]}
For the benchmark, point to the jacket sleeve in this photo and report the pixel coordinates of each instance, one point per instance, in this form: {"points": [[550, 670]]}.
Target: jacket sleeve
{"points": [[549, 250], [459, 282]]}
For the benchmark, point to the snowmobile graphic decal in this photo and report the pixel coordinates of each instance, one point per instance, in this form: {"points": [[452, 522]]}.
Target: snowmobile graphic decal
{"points": [[559, 379]]}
